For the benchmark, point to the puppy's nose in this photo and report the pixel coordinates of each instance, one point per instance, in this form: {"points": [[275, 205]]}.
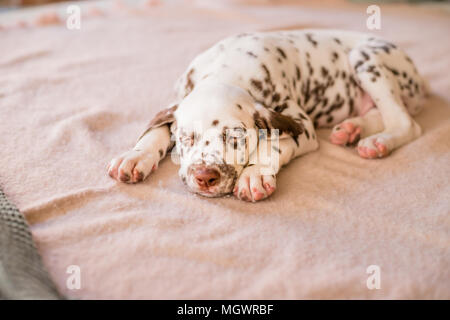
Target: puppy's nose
{"points": [[206, 177]]}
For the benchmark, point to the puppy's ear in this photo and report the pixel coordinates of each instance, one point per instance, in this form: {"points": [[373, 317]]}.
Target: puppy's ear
{"points": [[286, 123], [266, 118], [163, 117]]}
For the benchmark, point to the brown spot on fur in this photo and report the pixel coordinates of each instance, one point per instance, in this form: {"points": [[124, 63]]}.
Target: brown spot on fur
{"points": [[266, 70], [335, 56], [365, 55], [257, 84], [276, 97], [189, 82], [311, 40], [215, 122], [358, 64], [394, 71], [281, 108], [307, 134], [281, 52]]}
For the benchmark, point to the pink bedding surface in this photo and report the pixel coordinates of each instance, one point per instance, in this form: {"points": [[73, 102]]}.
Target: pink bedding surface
{"points": [[70, 100]]}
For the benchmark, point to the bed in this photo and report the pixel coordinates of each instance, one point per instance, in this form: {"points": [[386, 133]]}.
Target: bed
{"points": [[70, 100]]}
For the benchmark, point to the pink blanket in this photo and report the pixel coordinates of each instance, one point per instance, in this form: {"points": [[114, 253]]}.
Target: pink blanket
{"points": [[70, 100]]}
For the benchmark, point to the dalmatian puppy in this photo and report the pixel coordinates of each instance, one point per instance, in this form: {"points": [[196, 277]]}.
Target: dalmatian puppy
{"points": [[251, 103]]}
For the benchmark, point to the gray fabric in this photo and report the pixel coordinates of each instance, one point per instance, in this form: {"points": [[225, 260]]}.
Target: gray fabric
{"points": [[22, 275]]}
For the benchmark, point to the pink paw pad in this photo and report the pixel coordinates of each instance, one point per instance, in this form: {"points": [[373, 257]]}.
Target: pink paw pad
{"points": [[380, 151], [243, 195], [345, 133], [257, 195], [137, 176], [124, 177], [269, 188]]}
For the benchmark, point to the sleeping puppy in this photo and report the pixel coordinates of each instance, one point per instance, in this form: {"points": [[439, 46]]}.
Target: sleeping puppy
{"points": [[252, 102]]}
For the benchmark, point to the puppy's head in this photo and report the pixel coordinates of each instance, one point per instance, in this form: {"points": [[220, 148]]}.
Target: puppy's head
{"points": [[213, 138], [216, 129]]}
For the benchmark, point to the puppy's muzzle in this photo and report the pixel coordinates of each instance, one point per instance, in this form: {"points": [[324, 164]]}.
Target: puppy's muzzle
{"points": [[206, 177], [211, 180]]}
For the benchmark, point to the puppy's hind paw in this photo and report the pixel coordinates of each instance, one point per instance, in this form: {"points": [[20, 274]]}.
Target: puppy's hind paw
{"points": [[373, 148], [345, 133]]}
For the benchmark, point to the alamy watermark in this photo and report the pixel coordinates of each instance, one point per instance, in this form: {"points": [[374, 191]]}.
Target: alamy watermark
{"points": [[374, 280], [373, 22], [73, 21], [73, 281]]}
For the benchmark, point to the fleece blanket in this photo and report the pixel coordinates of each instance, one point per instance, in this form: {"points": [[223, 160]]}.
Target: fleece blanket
{"points": [[338, 226]]}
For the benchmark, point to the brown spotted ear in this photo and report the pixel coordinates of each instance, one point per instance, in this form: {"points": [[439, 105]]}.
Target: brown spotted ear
{"points": [[286, 125], [163, 117]]}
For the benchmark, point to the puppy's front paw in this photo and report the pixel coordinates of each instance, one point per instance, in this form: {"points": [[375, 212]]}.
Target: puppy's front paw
{"points": [[133, 166], [253, 186]]}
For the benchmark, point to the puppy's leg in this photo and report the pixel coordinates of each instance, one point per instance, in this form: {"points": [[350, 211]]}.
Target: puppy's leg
{"points": [[351, 130], [258, 180], [135, 165], [383, 87]]}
